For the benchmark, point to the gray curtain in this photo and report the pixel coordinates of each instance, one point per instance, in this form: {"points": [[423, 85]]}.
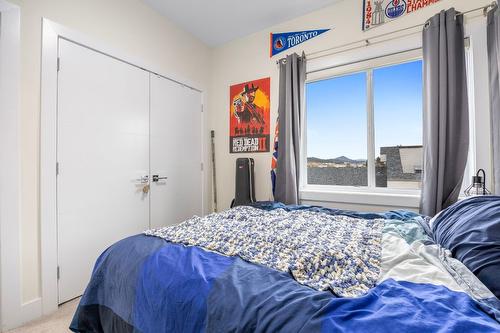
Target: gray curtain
{"points": [[446, 112], [290, 113], [493, 27]]}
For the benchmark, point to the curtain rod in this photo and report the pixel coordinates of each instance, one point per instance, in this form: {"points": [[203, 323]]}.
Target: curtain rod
{"points": [[367, 42], [363, 60], [466, 40]]}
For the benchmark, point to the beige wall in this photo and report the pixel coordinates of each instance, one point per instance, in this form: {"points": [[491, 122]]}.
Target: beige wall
{"points": [[248, 58], [128, 26]]}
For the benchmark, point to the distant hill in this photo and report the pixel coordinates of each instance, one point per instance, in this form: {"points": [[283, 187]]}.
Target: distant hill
{"points": [[337, 160]]}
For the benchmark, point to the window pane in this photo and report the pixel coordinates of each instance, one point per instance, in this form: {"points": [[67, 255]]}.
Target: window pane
{"points": [[336, 131], [398, 125]]}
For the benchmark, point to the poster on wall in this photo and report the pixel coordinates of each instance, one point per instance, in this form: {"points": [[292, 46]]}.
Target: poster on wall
{"points": [[378, 12], [249, 116], [283, 41]]}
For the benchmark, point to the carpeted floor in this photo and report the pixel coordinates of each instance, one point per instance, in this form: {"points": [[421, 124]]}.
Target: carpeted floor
{"points": [[55, 323]]}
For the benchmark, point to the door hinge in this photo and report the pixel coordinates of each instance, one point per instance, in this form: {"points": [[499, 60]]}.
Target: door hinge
{"points": [[202, 108], [57, 168], [58, 273], [58, 64], [201, 166]]}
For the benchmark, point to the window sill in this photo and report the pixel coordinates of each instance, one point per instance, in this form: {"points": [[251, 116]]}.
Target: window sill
{"points": [[362, 196]]}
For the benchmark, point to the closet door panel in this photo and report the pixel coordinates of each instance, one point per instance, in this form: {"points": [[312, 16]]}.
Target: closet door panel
{"points": [[103, 151], [176, 152]]}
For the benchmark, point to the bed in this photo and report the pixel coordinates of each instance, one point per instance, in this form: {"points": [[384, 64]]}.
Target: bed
{"points": [[277, 268]]}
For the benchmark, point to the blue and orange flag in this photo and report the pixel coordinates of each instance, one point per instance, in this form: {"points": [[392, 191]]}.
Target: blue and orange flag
{"points": [[283, 41], [274, 161]]}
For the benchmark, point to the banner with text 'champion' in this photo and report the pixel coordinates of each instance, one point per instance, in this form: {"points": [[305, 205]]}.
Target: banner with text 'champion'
{"points": [[378, 12], [283, 41]]}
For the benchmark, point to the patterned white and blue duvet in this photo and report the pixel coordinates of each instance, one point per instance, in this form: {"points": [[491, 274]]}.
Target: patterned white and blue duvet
{"points": [[279, 268]]}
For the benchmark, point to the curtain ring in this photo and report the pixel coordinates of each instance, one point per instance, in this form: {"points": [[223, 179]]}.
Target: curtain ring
{"points": [[492, 6], [457, 15], [281, 61], [427, 24]]}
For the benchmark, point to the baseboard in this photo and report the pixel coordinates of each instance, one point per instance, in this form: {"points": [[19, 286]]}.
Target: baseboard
{"points": [[29, 311]]}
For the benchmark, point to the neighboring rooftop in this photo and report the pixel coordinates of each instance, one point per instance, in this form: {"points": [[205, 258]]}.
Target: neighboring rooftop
{"points": [[397, 167], [403, 162]]}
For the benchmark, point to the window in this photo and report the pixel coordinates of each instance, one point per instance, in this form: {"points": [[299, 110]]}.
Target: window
{"points": [[364, 128], [336, 131], [397, 92]]}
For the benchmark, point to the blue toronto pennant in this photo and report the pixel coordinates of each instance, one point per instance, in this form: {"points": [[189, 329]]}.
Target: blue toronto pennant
{"points": [[283, 41]]}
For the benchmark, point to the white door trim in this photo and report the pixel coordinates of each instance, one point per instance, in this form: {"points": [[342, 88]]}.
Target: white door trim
{"points": [[51, 32], [10, 273]]}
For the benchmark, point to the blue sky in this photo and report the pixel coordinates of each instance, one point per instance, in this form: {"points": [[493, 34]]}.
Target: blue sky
{"points": [[336, 112]]}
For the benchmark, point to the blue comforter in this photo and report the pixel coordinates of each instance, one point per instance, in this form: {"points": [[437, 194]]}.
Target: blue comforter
{"points": [[146, 284]]}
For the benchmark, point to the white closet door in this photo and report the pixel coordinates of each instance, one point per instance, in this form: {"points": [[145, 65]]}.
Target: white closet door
{"points": [[176, 148], [103, 147]]}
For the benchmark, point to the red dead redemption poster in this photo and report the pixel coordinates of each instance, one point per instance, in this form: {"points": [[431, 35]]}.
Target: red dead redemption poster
{"points": [[249, 116]]}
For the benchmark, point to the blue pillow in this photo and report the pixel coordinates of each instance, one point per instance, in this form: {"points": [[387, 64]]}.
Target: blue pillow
{"points": [[470, 229]]}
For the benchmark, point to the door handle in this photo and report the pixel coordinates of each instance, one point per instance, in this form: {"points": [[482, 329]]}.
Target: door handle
{"points": [[157, 178], [143, 179]]}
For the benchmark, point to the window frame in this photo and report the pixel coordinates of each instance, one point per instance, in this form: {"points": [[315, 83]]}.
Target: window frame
{"points": [[310, 191]]}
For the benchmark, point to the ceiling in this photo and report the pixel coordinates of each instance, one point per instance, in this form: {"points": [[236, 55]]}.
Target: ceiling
{"points": [[216, 22]]}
